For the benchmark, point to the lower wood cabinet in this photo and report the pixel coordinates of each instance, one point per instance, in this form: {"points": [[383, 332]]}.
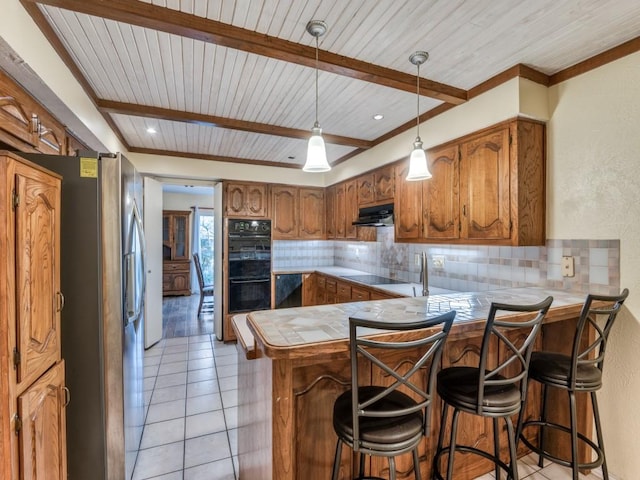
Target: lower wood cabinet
{"points": [[41, 428], [176, 277]]}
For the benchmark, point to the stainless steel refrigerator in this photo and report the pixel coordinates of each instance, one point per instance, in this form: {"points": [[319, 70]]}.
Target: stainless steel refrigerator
{"points": [[102, 275]]}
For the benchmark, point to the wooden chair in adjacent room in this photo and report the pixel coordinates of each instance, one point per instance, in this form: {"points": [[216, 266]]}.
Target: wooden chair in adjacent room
{"points": [[581, 371], [389, 420], [494, 389], [205, 290]]}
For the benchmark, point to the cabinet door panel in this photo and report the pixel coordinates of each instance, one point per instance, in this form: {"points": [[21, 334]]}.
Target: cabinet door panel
{"points": [[312, 213], [408, 205], [235, 199], [351, 209], [331, 212], [285, 212], [384, 182], [37, 273], [485, 186], [340, 209], [256, 200], [441, 195], [42, 438], [366, 194]]}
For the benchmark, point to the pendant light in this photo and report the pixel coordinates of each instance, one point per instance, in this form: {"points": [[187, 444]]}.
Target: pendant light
{"points": [[418, 169], [316, 152]]}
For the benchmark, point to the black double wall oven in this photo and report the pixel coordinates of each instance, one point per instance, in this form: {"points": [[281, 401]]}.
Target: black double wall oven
{"points": [[249, 265]]}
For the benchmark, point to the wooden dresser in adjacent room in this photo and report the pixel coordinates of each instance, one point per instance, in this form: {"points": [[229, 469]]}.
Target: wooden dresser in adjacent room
{"points": [[176, 261], [33, 395]]}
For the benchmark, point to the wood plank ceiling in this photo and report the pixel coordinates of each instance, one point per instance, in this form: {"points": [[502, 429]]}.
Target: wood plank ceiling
{"points": [[234, 80]]}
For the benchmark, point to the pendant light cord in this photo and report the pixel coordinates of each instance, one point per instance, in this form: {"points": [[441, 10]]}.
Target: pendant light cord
{"points": [[316, 80], [418, 102]]}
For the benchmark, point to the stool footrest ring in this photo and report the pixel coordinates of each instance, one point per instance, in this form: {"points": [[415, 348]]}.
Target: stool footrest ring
{"points": [[467, 449], [549, 456]]}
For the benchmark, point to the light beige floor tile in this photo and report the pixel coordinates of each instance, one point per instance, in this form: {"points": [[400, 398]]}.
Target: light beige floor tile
{"points": [[150, 370], [199, 346], [198, 354], [200, 363], [161, 433], [176, 341], [206, 449], [231, 417], [225, 371], [202, 388], [228, 383], [168, 394], [220, 470], [171, 380], [204, 424], [175, 367], [229, 398], [201, 375], [204, 403], [156, 461], [226, 360], [176, 349], [159, 412], [174, 357]]}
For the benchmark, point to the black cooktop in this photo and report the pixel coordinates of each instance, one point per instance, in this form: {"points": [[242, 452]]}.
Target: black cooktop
{"points": [[371, 279]]}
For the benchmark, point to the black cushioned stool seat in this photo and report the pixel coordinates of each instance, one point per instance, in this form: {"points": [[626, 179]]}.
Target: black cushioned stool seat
{"points": [[388, 420], [581, 371]]}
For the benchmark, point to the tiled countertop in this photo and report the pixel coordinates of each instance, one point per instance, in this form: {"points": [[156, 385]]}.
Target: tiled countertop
{"points": [[298, 332]]}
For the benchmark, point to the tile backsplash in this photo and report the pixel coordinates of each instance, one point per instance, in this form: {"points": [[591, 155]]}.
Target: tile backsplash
{"points": [[466, 267]]}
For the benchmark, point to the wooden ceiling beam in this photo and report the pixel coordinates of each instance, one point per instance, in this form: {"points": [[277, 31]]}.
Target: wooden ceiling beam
{"points": [[191, 26], [122, 108], [212, 158]]}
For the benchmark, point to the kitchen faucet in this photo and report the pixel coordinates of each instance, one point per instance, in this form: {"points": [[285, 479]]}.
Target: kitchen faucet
{"points": [[424, 274]]}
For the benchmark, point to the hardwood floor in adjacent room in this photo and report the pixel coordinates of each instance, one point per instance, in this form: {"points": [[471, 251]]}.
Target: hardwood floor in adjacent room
{"points": [[180, 317]]}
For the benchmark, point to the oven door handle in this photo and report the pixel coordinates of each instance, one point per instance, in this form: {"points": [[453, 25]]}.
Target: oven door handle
{"points": [[250, 281]]}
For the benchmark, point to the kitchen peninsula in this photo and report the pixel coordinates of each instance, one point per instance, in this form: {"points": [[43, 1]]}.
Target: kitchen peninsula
{"points": [[293, 363]]}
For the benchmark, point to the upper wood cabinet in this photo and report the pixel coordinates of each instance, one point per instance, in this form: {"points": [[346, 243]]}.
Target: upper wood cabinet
{"points": [[487, 188], [284, 212], [297, 213], [175, 234], [441, 195], [340, 211], [376, 187], [312, 213], [246, 199], [27, 125]]}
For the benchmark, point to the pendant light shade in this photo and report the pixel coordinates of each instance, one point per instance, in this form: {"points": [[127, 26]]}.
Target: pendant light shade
{"points": [[316, 151], [418, 168]]}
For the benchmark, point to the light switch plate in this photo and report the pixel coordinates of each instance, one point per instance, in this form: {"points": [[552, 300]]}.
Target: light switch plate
{"points": [[567, 267]]}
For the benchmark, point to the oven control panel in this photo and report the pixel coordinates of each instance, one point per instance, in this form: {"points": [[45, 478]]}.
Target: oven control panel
{"points": [[244, 227]]}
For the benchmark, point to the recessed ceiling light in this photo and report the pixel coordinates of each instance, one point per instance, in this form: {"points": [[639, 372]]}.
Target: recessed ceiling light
{"points": [[378, 116], [151, 130]]}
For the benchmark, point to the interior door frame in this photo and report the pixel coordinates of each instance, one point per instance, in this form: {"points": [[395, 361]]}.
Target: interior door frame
{"points": [[153, 294]]}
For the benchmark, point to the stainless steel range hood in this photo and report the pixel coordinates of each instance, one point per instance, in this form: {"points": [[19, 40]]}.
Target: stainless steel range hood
{"points": [[377, 216]]}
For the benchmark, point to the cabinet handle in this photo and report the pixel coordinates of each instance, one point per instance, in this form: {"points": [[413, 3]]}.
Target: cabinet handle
{"points": [[464, 210], [67, 396], [60, 297]]}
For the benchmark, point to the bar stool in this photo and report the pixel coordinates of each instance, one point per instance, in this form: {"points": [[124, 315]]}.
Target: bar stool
{"points": [[382, 420], [496, 388], [579, 372]]}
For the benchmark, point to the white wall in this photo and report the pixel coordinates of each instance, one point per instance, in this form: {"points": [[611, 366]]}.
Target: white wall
{"points": [[593, 185]]}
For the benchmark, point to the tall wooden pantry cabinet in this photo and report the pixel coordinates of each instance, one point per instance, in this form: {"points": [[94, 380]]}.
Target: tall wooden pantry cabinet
{"points": [[33, 395]]}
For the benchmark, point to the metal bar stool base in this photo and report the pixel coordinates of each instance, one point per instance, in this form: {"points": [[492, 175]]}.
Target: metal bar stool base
{"points": [[561, 461], [463, 448]]}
